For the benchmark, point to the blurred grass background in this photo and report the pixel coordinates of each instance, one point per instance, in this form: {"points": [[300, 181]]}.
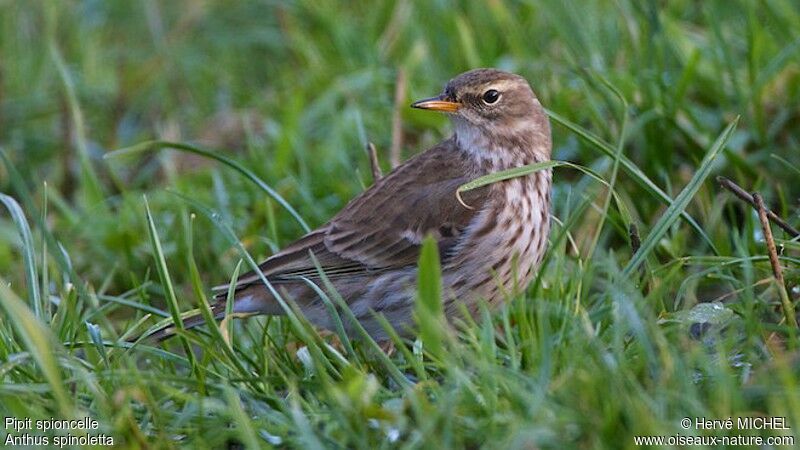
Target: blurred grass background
{"points": [[585, 358]]}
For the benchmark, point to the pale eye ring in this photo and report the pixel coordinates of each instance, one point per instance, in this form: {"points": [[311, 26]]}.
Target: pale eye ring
{"points": [[491, 96]]}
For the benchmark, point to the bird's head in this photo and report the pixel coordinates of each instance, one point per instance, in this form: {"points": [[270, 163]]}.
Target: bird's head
{"points": [[493, 106]]}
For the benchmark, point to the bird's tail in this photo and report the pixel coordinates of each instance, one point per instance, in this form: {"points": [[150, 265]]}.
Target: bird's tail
{"points": [[168, 330], [249, 299]]}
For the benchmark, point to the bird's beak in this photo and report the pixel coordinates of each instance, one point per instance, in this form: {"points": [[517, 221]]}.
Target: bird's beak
{"points": [[437, 104]]}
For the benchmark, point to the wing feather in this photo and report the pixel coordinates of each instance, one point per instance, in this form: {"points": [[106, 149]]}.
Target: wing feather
{"points": [[383, 228]]}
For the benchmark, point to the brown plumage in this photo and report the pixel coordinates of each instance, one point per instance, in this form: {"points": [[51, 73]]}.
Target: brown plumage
{"points": [[369, 250]]}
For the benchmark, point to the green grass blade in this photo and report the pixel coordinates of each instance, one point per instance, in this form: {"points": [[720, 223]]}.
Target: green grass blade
{"points": [[253, 265], [134, 305], [94, 190], [305, 431], [230, 297], [681, 201], [211, 321], [786, 163], [299, 325], [633, 170], [429, 312], [58, 252], [531, 168], [508, 174], [387, 363], [28, 256], [45, 281], [247, 173], [39, 341], [338, 325], [615, 166], [166, 282], [96, 335], [244, 424]]}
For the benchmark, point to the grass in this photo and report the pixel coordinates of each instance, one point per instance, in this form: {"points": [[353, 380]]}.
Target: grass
{"points": [[270, 106]]}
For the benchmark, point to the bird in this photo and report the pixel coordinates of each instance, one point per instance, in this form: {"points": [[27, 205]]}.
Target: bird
{"points": [[491, 239]]}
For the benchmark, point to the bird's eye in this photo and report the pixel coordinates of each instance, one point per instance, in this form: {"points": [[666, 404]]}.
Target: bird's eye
{"points": [[491, 96]]}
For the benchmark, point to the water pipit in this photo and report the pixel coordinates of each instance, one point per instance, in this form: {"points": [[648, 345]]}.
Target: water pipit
{"points": [[490, 240]]}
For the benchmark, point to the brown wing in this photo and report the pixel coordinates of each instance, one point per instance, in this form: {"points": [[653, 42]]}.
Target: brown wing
{"points": [[383, 228]]}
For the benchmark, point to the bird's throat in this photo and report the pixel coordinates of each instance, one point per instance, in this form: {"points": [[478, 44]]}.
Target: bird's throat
{"points": [[500, 149]]}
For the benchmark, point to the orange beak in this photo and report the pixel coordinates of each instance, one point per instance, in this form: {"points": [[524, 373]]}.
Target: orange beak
{"points": [[437, 104]]}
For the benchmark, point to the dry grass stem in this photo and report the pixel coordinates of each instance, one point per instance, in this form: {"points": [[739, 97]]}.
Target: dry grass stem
{"points": [[377, 174], [788, 307], [745, 196]]}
